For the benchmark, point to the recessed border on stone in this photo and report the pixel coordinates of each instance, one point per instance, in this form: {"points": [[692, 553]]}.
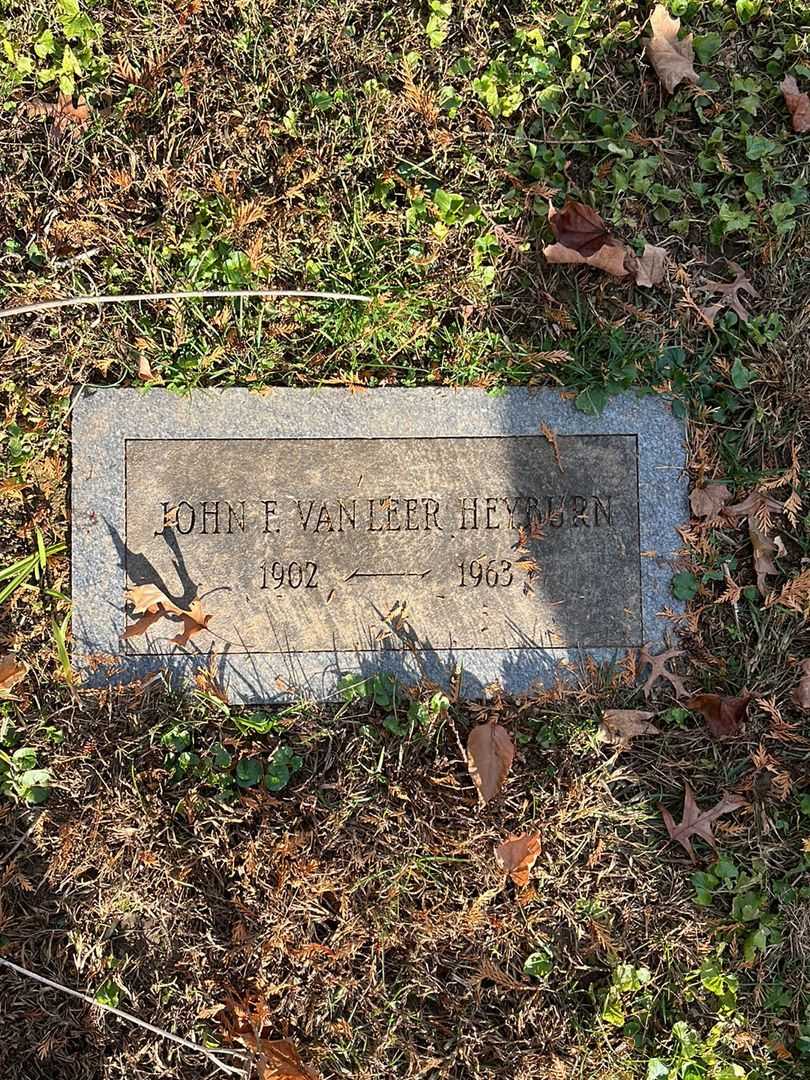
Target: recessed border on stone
{"points": [[104, 419]]}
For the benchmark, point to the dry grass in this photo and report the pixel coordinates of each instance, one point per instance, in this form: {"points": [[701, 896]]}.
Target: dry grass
{"points": [[359, 912]]}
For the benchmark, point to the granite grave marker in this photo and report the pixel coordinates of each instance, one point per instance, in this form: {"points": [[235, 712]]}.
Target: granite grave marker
{"points": [[411, 530]]}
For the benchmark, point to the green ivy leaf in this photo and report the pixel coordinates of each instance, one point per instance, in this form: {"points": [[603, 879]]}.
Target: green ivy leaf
{"points": [[685, 585], [741, 376]]}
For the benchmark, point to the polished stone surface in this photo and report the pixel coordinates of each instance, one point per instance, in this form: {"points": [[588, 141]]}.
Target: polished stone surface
{"points": [[415, 531]]}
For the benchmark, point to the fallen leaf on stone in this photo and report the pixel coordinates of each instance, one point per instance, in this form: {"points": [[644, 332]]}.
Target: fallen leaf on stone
{"points": [[764, 550], [801, 694], [619, 727], [659, 670], [729, 295], [193, 620], [147, 597], [798, 104], [671, 57], [154, 603], [583, 240], [490, 752], [724, 715], [707, 502], [11, 672], [140, 626], [517, 855], [697, 822], [64, 113], [649, 268]]}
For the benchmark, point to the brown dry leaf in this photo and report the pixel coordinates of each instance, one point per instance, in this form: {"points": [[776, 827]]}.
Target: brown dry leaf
{"points": [[697, 822], [277, 1059], [517, 855], [148, 597], [764, 550], [658, 670], [724, 715], [707, 502], [798, 104], [194, 620], [583, 240], [729, 295], [671, 56], [801, 694], [154, 602], [490, 752], [65, 114], [140, 626], [11, 672], [650, 267], [620, 726]]}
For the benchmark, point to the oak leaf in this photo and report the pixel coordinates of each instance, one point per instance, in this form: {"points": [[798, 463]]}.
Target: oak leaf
{"points": [[11, 672], [729, 295], [671, 56], [724, 715], [148, 597], [707, 502], [582, 239], [659, 670], [798, 104], [517, 855], [801, 694], [154, 603], [619, 727], [697, 822], [140, 626], [649, 268], [490, 752]]}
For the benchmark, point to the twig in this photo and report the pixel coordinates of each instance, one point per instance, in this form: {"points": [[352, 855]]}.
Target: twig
{"points": [[5, 858], [228, 1069], [268, 294]]}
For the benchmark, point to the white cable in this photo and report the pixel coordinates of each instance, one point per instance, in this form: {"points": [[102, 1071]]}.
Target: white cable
{"points": [[133, 1019], [269, 294]]}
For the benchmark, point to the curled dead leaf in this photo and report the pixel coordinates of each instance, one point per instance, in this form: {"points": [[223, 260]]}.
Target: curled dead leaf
{"points": [[764, 549], [671, 56], [724, 715], [517, 855], [619, 727], [801, 693], [490, 752], [11, 672], [707, 502], [798, 104], [582, 239], [697, 822]]}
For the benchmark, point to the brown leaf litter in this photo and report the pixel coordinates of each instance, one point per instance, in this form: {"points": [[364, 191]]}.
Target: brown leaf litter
{"points": [[670, 55]]}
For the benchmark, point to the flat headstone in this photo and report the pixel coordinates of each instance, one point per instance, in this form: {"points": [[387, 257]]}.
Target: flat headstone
{"points": [[418, 531]]}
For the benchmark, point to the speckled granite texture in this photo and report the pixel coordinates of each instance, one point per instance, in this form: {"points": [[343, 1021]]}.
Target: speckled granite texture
{"points": [[104, 419]]}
